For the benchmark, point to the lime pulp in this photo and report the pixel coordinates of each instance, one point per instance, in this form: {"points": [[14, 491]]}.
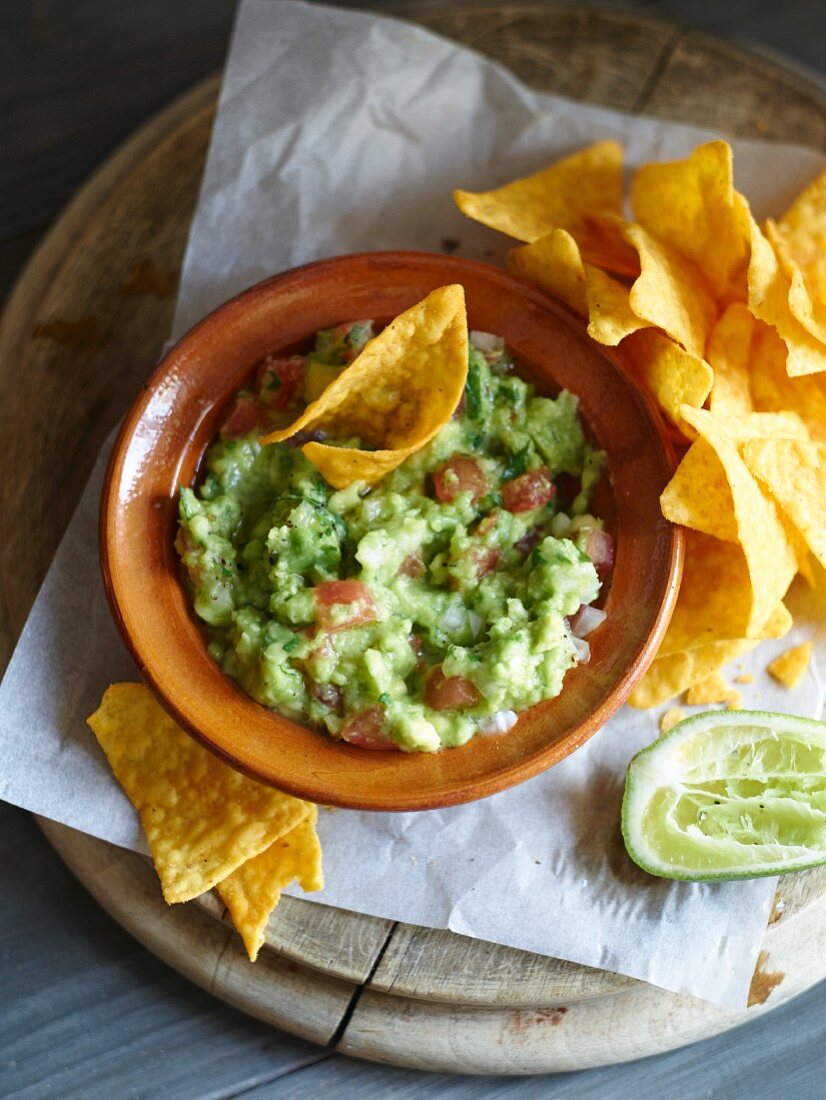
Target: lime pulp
{"points": [[728, 795]]}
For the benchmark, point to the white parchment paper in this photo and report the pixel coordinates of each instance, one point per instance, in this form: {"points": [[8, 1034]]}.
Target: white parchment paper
{"points": [[340, 131]]}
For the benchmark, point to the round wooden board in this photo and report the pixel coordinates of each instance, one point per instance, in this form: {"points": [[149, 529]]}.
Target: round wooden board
{"points": [[94, 306]]}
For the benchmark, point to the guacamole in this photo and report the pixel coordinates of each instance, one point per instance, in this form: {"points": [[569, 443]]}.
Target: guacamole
{"points": [[419, 612]]}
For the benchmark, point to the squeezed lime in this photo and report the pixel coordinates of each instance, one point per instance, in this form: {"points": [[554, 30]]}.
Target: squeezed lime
{"points": [[729, 795]]}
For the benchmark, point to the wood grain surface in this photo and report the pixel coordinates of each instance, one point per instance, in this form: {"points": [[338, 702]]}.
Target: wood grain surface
{"points": [[83, 327]]}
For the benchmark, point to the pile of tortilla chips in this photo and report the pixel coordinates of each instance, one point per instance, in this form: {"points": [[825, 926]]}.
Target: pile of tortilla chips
{"points": [[724, 322], [395, 396], [207, 825]]}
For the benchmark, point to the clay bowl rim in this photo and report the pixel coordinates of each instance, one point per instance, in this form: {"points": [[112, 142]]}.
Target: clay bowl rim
{"points": [[320, 786]]}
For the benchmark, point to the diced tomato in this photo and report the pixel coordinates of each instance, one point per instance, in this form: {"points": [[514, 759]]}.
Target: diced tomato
{"points": [[349, 346], [600, 549], [328, 694], [412, 566], [356, 596], [279, 380], [485, 558], [449, 692], [366, 730], [459, 474], [245, 415], [528, 491]]}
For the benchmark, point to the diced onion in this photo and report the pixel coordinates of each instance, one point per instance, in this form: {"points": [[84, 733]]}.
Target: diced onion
{"points": [[475, 622], [500, 722], [454, 618], [583, 650], [587, 619], [486, 341]]}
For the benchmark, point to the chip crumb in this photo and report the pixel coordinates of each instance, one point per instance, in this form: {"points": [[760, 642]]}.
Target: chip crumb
{"points": [[744, 678], [790, 667], [670, 719], [712, 689]]}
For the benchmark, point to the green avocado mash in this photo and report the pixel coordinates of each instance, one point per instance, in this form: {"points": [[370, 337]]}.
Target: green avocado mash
{"points": [[417, 613]]}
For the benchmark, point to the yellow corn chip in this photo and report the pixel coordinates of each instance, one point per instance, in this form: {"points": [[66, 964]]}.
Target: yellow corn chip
{"points": [[698, 495], [803, 229], [773, 390], [669, 292], [202, 819], [674, 674], [804, 304], [714, 602], [790, 667], [769, 288], [712, 689], [395, 396], [770, 553], [794, 472], [729, 353], [670, 719], [671, 676], [608, 248], [563, 196], [253, 891], [554, 263], [610, 316], [689, 205], [675, 377]]}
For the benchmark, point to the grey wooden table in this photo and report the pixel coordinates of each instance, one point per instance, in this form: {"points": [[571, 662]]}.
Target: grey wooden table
{"points": [[84, 1010]]}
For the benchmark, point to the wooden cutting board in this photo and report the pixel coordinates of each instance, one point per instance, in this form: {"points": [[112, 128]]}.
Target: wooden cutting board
{"points": [[80, 333]]}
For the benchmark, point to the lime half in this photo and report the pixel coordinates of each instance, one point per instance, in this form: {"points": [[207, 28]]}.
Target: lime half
{"points": [[729, 794]]}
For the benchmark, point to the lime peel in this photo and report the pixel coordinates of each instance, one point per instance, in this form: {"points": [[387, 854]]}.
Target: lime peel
{"points": [[728, 795]]}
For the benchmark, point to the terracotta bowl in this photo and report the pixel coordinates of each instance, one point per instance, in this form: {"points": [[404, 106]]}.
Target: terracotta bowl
{"points": [[172, 422]]}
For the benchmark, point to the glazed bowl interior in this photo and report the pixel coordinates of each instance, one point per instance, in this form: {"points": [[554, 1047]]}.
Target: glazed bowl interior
{"points": [[174, 419]]}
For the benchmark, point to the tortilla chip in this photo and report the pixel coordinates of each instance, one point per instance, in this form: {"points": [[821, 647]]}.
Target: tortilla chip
{"points": [[803, 228], [608, 248], [610, 316], [804, 303], [253, 891], [670, 719], [713, 689], [670, 293], [395, 396], [698, 495], [769, 288], [202, 819], [794, 472], [689, 206], [770, 552], [674, 674], [554, 263], [714, 602], [790, 667], [804, 223], [675, 377], [729, 354], [773, 390], [563, 196], [671, 676]]}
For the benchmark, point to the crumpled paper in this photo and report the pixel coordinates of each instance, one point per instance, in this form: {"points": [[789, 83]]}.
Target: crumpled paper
{"points": [[337, 132]]}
